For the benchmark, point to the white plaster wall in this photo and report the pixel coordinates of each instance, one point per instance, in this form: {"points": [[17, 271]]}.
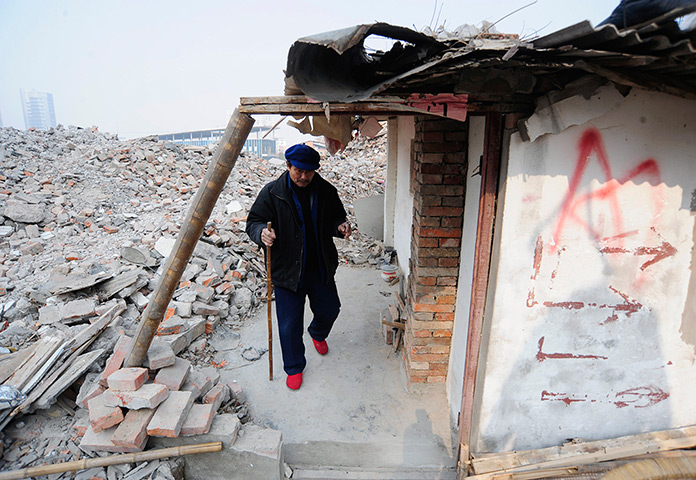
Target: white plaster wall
{"points": [[457, 359], [404, 199], [390, 184], [595, 260]]}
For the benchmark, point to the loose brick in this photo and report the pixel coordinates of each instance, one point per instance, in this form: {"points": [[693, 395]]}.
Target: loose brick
{"points": [[115, 361], [200, 308], [237, 391], [127, 379], [132, 432], [90, 388], [172, 325], [81, 425], [102, 416], [101, 442], [177, 342], [174, 376], [170, 415], [217, 395], [197, 383], [160, 354], [198, 420], [196, 328], [149, 395]]}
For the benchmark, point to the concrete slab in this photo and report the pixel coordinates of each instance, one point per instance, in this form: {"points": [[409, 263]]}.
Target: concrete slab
{"points": [[248, 453], [354, 408]]}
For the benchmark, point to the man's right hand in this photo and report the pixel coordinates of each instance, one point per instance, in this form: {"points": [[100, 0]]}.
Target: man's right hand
{"points": [[268, 236]]}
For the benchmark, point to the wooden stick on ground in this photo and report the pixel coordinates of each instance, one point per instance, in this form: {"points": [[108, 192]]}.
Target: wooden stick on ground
{"points": [[111, 460], [269, 293]]}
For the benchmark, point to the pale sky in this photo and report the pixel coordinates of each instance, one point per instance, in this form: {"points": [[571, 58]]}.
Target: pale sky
{"points": [[137, 68]]}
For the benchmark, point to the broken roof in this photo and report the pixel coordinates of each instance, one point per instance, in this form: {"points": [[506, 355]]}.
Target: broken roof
{"points": [[488, 67]]}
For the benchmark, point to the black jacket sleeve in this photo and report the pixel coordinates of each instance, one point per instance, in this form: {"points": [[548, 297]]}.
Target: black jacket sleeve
{"points": [[261, 212]]}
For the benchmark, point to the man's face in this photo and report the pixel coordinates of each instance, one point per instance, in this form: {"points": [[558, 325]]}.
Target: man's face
{"points": [[300, 177]]}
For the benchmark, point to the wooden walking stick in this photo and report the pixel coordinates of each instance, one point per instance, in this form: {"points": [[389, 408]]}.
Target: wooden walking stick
{"points": [[269, 293]]}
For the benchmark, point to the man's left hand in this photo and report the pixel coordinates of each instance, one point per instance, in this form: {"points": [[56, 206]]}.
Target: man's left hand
{"points": [[344, 229]]}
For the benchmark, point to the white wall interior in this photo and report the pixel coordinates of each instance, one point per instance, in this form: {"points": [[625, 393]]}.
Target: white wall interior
{"points": [[404, 199], [457, 358], [391, 179], [595, 257]]}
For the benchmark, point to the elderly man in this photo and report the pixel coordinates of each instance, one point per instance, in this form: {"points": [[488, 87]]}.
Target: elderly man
{"points": [[305, 213]]}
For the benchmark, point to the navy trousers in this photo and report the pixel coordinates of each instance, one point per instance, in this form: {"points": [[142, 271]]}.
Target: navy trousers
{"points": [[325, 305]]}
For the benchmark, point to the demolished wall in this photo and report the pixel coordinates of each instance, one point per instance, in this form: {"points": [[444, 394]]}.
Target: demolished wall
{"points": [[86, 220]]}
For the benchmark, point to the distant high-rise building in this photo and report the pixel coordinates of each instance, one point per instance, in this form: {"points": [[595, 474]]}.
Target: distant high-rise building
{"points": [[38, 109]]}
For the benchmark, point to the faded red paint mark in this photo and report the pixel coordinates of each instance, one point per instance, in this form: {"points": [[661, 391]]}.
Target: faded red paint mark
{"points": [[530, 299], [629, 307], [541, 356], [591, 142], [558, 263], [641, 397], [568, 305], [665, 250], [559, 397], [619, 236], [538, 252]]}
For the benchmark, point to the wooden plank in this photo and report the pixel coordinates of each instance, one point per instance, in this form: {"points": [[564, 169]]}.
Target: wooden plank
{"points": [[490, 170], [89, 333], [43, 351], [11, 361], [394, 324], [76, 369], [586, 452], [114, 285], [300, 105]]}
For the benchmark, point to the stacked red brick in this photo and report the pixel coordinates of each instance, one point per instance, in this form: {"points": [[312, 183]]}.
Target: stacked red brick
{"points": [[164, 407], [439, 166]]}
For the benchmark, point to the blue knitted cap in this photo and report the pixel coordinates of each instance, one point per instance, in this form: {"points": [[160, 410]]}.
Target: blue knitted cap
{"points": [[302, 156]]}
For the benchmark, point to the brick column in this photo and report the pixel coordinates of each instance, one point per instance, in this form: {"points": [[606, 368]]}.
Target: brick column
{"points": [[439, 162]]}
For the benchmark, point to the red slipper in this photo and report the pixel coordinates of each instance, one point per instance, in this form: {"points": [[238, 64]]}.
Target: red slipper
{"points": [[322, 347], [294, 382]]}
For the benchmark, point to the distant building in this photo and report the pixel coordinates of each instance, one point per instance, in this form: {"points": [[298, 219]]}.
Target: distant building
{"points": [[38, 109], [263, 147]]}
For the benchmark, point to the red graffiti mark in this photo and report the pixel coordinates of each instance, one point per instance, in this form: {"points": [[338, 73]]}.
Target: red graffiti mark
{"points": [[665, 250], [591, 142], [628, 306], [530, 299], [619, 236], [641, 397], [568, 305], [541, 356], [538, 251], [559, 397]]}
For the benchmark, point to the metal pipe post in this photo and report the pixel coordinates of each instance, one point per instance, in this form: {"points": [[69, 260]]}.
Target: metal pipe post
{"points": [[221, 165]]}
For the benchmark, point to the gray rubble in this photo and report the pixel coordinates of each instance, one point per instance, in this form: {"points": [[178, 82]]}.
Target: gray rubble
{"points": [[86, 221]]}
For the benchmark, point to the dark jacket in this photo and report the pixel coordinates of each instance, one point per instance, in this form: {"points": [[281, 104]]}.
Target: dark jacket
{"points": [[275, 204]]}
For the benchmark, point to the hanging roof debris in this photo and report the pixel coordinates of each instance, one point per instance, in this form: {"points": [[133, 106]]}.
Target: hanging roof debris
{"points": [[496, 71]]}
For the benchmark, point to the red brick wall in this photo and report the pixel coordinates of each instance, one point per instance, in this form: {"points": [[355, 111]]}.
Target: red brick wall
{"points": [[439, 167]]}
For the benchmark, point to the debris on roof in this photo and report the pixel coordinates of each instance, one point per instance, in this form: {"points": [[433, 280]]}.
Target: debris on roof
{"points": [[493, 68]]}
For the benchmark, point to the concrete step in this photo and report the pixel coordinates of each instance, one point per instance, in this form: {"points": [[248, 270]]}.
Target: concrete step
{"points": [[343, 473], [392, 460], [373, 456]]}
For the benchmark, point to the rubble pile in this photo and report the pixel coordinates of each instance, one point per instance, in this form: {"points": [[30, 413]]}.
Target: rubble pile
{"points": [[86, 221]]}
